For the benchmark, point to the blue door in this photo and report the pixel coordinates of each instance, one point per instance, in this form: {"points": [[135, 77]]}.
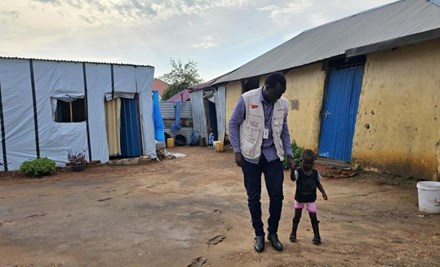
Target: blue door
{"points": [[339, 113], [130, 133]]}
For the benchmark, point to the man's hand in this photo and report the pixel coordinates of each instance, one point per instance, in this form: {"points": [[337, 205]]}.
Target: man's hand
{"points": [[291, 162], [239, 159], [324, 195]]}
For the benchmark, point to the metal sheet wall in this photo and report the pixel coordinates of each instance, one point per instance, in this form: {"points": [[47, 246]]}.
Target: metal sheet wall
{"points": [[130, 137], [168, 112], [198, 111], [339, 117], [220, 107]]}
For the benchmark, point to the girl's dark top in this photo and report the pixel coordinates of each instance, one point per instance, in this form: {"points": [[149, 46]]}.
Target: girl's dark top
{"points": [[306, 186]]}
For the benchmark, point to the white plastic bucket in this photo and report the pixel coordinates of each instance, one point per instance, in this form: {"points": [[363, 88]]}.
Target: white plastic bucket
{"points": [[429, 196]]}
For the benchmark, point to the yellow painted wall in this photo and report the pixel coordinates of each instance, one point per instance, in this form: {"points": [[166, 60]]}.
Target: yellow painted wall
{"points": [[233, 93], [304, 85], [398, 123]]}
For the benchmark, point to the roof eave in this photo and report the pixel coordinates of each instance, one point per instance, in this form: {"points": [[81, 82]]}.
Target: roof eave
{"points": [[392, 43], [76, 61]]}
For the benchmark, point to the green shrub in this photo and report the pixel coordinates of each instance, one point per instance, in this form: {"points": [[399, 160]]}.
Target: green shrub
{"points": [[296, 151], [38, 167]]}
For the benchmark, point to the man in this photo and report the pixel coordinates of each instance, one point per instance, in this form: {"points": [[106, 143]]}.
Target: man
{"points": [[260, 139]]}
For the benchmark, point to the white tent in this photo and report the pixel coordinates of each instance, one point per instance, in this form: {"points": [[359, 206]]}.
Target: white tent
{"points": [[49, 107]]}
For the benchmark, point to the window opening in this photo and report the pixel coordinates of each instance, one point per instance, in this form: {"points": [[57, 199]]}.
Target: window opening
{"points": [[73, 111], [250, 83]]}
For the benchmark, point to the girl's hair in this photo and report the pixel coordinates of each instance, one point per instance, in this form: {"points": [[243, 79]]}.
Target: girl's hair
{"points": [[308, 155]]}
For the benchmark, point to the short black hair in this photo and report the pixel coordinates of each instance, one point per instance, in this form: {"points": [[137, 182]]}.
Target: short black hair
{"points": [[308, 155], [275, 78]]}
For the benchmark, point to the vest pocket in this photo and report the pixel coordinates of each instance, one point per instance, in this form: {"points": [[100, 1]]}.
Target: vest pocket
{"points": [[251, 134], [253, 128], [277, 125], [277, 128], [249, 140]]}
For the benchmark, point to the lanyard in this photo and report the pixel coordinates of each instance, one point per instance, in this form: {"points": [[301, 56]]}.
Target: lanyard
{"points": [[268, 111]]}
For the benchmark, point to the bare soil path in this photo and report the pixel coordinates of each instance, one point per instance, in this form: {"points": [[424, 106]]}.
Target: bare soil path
{"points": [[193, 209]]}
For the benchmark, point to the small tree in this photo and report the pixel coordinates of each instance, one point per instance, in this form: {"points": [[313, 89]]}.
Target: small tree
{"points": [[181, 77]]}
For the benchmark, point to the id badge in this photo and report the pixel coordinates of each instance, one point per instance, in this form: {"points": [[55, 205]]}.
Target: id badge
{"points": [[266, 134]]}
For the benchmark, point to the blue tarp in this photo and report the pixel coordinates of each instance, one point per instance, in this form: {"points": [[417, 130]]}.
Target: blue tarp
{"points": [[159, 127], [176, 126]]}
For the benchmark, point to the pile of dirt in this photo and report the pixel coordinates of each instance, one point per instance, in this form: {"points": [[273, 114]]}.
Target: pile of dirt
{"points": [[335, 173]]}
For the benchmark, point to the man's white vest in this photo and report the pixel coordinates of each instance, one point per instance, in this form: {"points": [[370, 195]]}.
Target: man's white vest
{"points": [[252, 128]]}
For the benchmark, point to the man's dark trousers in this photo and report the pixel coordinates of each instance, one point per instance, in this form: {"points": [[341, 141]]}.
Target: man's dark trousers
{"points": [[274, 176]]}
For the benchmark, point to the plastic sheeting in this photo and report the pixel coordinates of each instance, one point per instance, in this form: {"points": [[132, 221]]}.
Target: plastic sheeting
{"points": [[198, 113], [17, 112], [220, 107], [159, 127], [58, 80], [65, 80], [144, 81], [99, 83], [176, 125]]}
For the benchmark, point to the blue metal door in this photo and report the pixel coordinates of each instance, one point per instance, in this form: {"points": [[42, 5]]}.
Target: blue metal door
{"points": [[339, 113], [130, 135]]}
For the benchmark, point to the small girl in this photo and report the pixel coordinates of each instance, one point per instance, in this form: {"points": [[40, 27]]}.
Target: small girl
{"points": [[210, 138], [307, 180]]}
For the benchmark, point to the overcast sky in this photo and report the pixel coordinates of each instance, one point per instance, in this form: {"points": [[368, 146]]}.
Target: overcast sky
{"points": [[220, 35]]}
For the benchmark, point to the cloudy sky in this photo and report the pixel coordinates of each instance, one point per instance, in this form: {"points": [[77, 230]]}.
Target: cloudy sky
{"points": [[219, 35]]}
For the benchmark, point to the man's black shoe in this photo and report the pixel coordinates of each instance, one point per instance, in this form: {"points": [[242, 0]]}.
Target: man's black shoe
{"points": [[276, 244], [259, 243]]}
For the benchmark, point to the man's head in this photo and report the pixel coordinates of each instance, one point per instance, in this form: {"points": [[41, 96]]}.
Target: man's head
{"points": [[275, 87], [308, 159]]}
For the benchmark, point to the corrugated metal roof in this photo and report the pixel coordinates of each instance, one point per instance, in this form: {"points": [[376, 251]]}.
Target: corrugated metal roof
{"points": [[201, 85], [437, 2], [74, 61], [388, 22], [180, 96], [204, 85]]}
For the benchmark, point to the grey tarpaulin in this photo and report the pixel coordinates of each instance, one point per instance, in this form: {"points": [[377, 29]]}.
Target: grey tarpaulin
{"points": [[30, 128]]}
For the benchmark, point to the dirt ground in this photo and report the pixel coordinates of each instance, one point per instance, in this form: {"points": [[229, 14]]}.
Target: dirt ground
{"points": [[193, 210]]}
